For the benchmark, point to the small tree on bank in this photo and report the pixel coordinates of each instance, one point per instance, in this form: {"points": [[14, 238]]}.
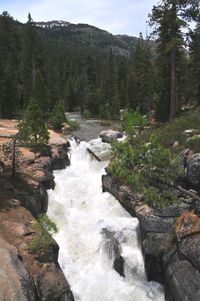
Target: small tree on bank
{"points": [[11, 153], [58, 117], [32, 129]]}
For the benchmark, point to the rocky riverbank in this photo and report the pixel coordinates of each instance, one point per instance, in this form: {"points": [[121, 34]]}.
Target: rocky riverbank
{"points": [[170, 239], [29, 275]]}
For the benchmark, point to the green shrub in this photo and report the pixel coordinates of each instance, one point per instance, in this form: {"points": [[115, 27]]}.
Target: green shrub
{"points": [[44, 227], [144, 167], [132, 119], [159, 199], [43, 149]]}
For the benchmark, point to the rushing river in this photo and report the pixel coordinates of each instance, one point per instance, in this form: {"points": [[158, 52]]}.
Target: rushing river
{"points": [[83, 215]]}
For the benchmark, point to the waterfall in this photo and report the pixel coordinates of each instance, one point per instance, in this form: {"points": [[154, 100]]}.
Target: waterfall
{"points": [[92, 229]]}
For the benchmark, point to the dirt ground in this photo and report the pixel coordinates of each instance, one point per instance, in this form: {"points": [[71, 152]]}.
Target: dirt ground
{"points": [[8, 128]]}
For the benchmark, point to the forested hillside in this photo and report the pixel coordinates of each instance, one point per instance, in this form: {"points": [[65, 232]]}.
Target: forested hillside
{"points": [[84, 68], [71, 65]]}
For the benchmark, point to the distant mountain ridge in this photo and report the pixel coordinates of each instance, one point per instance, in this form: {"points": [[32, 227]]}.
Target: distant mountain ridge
{"points": [[52, 24], [89, 35]]}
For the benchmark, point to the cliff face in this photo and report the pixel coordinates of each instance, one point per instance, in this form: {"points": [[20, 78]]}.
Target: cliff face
{"points": [[170, 240], [25, 275]]}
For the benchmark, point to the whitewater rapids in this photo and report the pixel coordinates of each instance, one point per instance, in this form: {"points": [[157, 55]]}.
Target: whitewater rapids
{"points": [[82, 212]]}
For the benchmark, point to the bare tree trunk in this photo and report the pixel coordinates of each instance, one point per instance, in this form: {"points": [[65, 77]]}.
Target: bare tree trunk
{"points": [[173, 102]]}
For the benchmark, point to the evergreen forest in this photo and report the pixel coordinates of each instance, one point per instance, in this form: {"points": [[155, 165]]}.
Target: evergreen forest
{"points": [[83, 68]]}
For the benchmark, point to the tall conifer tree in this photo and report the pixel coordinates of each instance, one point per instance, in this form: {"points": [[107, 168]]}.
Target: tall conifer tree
{"points": [[141, 78], [109, 87], [195, 61], [169, 19], [10, 52]]}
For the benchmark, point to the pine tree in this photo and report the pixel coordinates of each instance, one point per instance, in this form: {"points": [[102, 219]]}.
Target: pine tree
{"points": [[141, 78], [58, 117], [70, 95], [110, 106], [169, 18], [32, 129], [122, 84], [195, 62], [41, 94], [32, 57], [89, 84], [52, 80], [10, 51]]}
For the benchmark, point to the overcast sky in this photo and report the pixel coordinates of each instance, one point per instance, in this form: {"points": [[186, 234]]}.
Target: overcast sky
{"points": [[116, 16]]}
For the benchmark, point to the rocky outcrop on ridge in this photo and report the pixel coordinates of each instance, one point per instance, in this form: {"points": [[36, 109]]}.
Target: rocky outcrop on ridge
{"points": [[170, 240]]}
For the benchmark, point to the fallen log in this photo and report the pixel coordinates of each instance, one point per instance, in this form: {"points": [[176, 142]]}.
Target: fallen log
{"points": [[93, 154], [78, 140]]}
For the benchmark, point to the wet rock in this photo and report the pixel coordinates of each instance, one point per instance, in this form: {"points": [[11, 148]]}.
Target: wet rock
{"points": [[50, 253], [25, 162], [110, 135], [153, 246], [18, 229], [44, 163], [150, 222], [113, 251], [44, 177], [118, 265], [6, 185], [122, 194], [173, 210], [184, 158], [2, 166], [60, 157], [52, 285], [193, 170], [182, 279], [15, 282], [36, 200], [190, 248]]}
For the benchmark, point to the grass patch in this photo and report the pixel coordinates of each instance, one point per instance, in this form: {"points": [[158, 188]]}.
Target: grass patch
{"points": [[44, 227], [193, 143], [175, 130], [74, 124]]}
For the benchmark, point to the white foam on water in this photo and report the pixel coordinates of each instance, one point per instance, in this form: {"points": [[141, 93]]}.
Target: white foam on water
{"points": [[81, 212]]}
